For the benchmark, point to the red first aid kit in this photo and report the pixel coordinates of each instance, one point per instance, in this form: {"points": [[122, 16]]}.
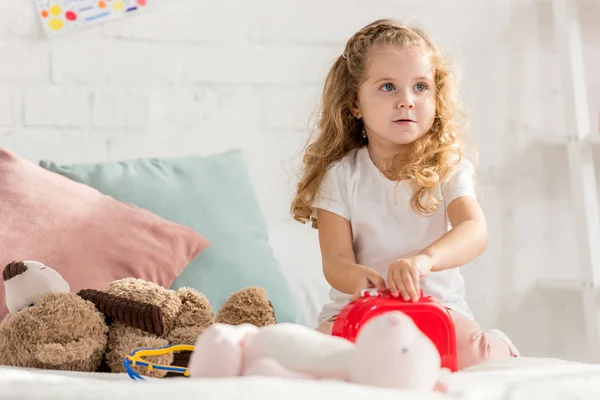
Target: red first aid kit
{"points": [[431, 318]]}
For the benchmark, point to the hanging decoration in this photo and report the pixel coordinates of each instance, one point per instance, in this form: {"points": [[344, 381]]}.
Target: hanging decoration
{"points": [[61, 16]]}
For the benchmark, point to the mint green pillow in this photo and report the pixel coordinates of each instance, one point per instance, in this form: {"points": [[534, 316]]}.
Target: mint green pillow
{"points": [[212, 195]]}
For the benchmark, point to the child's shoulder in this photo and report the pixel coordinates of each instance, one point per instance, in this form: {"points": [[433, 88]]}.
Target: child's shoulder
{"points": [[461, 165], [348, 163], [460, 181]]}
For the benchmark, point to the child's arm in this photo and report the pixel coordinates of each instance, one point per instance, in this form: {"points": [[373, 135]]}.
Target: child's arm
{"points": [[465, 241], [339, 264]]}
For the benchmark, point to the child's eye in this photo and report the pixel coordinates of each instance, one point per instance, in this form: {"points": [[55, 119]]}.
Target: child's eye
{"points": [[388, 87], [420, 87]]}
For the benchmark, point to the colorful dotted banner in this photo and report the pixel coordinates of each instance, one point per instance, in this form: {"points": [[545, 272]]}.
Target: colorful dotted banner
{"points": [[59, 16]]}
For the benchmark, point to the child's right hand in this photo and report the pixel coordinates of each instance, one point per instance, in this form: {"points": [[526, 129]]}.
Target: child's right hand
{"points": [[404, 274], [370, 279]]}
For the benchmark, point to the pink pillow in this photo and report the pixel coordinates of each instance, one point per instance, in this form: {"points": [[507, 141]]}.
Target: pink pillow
{"points": [[89, 238]]}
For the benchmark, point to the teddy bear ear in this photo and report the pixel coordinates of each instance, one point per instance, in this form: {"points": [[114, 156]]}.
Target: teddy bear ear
{"points": [[144, 316], [249, 305], [13, 269]]}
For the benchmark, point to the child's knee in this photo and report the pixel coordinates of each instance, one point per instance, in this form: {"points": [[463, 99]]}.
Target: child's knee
{"points": [[474, 351], [481, 348]]}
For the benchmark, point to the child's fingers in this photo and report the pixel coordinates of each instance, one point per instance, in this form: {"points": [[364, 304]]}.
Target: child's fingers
{"points": [[392, 283], [400, 284], [378, 282], [416, 281], [363, 282], [407, 280]]}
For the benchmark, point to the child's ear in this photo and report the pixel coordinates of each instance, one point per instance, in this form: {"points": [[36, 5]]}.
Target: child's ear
{"points": [[355, 110]]}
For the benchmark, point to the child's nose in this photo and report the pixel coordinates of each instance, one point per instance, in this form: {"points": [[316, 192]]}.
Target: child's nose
{"points": [[405, 103]]}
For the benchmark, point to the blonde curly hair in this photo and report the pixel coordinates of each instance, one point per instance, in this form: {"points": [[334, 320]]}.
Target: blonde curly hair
{"points": [[432, 157]]}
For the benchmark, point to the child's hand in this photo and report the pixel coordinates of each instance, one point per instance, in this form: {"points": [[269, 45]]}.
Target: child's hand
{"points": [[404, 273], [371, 279]]}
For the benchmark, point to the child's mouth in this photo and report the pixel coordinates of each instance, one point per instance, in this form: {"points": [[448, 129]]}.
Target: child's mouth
{"points": [[404, 121]]}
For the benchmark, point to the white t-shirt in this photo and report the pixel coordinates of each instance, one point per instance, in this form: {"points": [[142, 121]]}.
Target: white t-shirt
{"points": [[385, 227]]}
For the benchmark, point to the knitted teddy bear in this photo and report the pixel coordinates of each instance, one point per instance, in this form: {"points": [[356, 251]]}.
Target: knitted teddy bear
{"points": [[143, 314], [47, 326]]}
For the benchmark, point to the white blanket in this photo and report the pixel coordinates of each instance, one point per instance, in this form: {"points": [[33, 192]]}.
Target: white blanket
{"points": [[520, 379]]}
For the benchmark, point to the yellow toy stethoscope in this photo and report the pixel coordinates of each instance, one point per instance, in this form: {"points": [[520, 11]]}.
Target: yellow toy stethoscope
{"points": [[135, 358]]}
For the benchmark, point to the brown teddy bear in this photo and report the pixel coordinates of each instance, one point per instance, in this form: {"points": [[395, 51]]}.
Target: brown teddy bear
{"points": [[142, 314], [47, 326], [94, 330]]}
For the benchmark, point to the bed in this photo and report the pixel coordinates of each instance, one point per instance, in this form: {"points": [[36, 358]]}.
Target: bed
{"points": [[296, 248], [519, 379]]}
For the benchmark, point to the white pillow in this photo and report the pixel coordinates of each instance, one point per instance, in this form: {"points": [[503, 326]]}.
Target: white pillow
{"points": [[296, 246]]}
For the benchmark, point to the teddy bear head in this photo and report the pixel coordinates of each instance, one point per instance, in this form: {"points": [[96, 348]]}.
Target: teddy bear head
{"points": [[48, 326], [26, 282]]}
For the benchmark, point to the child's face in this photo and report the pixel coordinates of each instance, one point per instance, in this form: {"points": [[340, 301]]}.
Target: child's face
{"points": [[397, 99]]}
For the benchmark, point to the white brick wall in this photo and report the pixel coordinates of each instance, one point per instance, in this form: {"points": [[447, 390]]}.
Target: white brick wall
{"points": [[58, 107], [114, 62], [23, 61], [121, 109], [7, 107], [198, 76]]}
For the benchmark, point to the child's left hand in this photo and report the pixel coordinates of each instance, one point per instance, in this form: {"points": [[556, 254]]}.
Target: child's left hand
{"points": [[404, 274]]}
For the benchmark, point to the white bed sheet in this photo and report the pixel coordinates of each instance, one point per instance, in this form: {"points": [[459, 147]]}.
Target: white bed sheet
{"points": [[525, 378], [18, 384]]}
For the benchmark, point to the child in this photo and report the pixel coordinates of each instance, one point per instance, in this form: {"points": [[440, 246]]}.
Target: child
{"points": [[387, 185]]}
